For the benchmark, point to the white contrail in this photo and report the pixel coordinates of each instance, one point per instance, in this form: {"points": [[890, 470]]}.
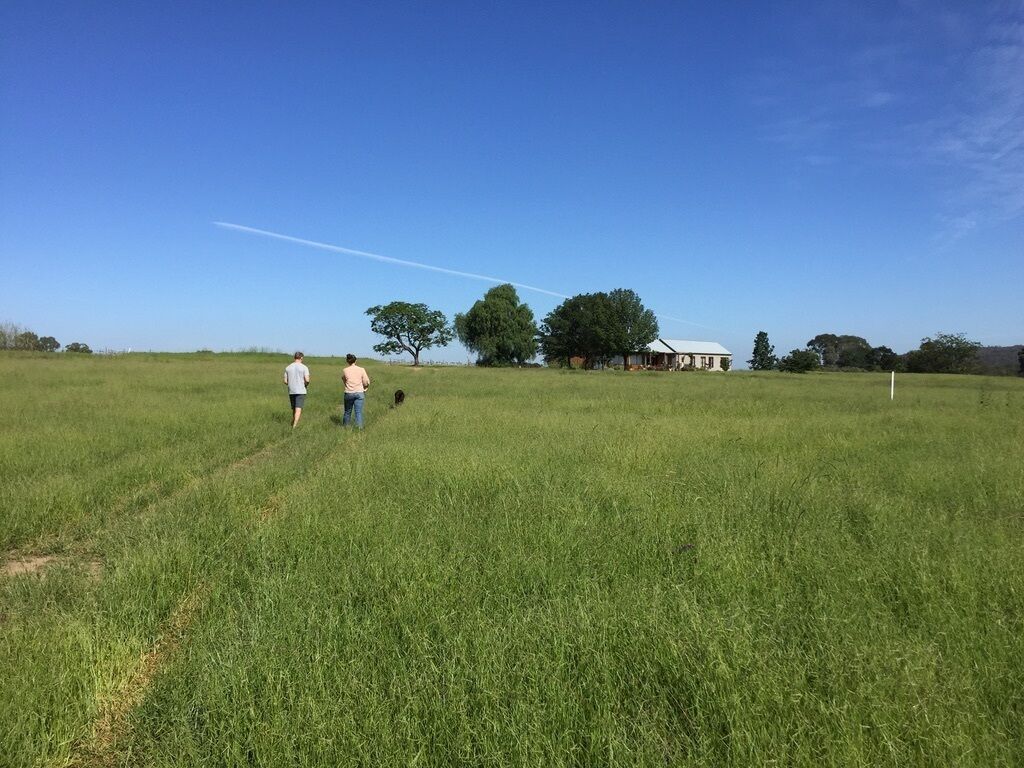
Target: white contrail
{"points": [[387, 259], [416, 264]]}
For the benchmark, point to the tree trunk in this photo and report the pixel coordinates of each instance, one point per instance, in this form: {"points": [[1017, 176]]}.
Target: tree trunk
{"points": [[415, 358]]}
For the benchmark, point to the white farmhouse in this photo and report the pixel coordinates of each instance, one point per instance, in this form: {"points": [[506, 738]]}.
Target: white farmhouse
{"points": [[677, 354]]}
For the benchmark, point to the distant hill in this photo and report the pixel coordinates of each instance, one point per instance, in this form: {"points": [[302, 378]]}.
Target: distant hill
{"points": [[1002, 360]]}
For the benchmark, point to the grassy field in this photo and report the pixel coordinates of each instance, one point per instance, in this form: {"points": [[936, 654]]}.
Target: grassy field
{"points": [[519, 567]]}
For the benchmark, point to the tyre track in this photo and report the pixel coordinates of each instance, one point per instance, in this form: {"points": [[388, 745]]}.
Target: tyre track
{"points": [[112, 730], [122, 510], [100, 749]]}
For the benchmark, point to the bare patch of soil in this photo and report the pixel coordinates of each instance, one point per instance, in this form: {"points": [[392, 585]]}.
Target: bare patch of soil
{"points": [[18, 565]]}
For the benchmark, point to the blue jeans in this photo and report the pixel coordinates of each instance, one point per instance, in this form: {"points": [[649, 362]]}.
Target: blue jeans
{"points": [[353, 402]]}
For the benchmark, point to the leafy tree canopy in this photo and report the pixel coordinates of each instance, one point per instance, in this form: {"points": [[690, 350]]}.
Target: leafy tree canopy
{"points": [[26, 340], [596, 327], [764, 358], [946, 353], [77, 346], [15, 337], [49, 344], [409, 328], [800, 361], [844, 351], [499, 329], [575, 329], [854, 352], [848, 351], [633, 326], [827, 347], [884, 359]]}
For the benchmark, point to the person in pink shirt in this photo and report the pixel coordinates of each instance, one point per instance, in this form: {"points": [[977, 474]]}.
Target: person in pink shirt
{"points": [[356, 384]]}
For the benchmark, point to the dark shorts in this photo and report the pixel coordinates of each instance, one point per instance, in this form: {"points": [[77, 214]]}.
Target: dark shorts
{"points": [[297, 400]]}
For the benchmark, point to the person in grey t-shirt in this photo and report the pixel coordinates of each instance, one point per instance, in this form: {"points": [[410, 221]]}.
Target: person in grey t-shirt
{"points": [[296, 376]]}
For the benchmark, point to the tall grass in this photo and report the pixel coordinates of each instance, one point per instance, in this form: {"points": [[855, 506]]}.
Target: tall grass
{"points": [[528, 567]]}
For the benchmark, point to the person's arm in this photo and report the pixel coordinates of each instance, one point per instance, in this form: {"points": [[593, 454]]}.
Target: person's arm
{"points": [[307, 376], [366, 381], [286, 377]]}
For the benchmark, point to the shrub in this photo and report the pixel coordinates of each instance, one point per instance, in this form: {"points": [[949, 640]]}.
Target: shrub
{"points": [[800, 361]]}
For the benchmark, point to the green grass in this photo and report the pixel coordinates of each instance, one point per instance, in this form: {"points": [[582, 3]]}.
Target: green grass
{"points": [[523, 567]]}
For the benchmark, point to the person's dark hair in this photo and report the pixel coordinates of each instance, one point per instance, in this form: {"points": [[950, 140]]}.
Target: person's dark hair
{"points": [[299, 355], [350, 358]]}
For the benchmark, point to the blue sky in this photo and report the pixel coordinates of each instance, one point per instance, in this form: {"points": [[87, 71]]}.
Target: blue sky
{"points": [[793, 167]]}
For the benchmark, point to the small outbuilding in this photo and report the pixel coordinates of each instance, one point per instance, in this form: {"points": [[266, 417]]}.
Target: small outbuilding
{"points": [[681, 354]]}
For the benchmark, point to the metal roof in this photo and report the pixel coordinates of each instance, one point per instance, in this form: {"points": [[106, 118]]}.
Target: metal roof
{"points": [[658, 346], [686, 347]]}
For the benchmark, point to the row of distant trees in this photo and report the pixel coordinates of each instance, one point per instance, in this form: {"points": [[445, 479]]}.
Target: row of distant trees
{"points": [[13, 336], [593, 328], [943, 353], [500, 330]]}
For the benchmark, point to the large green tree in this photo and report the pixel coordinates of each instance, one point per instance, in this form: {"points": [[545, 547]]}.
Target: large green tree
{"points": [[49, 344], [633, 325], [763, 358], [854, 352], [844, 351], [827, 347], [884, 359], [499, 329], [577, 328], [26, 340], [597, 327], [409, 328], [946, 353]]}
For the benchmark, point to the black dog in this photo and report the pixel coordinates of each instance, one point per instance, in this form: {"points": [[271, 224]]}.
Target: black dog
{"points": [[399, 397]]}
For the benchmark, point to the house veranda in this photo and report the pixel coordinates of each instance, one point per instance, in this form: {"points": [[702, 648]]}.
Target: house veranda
{"points": [[680, 355]]}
